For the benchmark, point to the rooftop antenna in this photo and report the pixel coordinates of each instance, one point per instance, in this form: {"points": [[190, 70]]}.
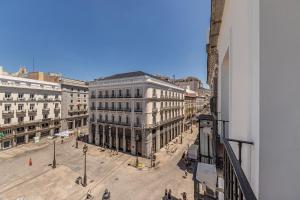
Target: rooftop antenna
{"points": [[33, 64]]}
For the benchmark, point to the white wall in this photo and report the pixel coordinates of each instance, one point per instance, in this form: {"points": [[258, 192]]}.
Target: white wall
{"points": [[239, 36], [279, 101]]}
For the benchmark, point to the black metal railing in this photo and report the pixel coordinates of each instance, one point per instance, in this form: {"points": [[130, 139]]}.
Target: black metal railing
{"points": [[236, 185]]}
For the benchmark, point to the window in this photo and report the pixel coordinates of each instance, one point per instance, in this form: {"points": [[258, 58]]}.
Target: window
{"points": [[56, 105], [138, 92], [31, 106], [120, 93], [31, 96], [71, 101], [154, 92], [7, 95], [45, 96], [113, 105], [120, 105], [100, 117], [113, 93], [106, 118], [71, 107], [138, 106], [137, 121], [113, 118], [72, 95], [20, 107], [127, 119], [154, 105], [56, 96], [7, 107], [31, 118], [56, 115], [120, 119], [127, 92], [106, 93], [45, 116], [45, 105], [127, 105], [20, 119], [154, 119], [7, 120], [99, 94], [106, 105], [20, 96]]}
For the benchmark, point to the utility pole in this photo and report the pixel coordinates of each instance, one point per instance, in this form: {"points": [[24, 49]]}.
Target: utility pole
{"points": [[54, 159]]}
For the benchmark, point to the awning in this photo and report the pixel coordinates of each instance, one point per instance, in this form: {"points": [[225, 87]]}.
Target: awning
{"points": [[207, 175], [64, 133], [192, 152]]}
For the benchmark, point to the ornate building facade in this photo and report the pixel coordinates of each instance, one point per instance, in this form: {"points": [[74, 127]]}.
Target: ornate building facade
{"points": [[135, 112]]}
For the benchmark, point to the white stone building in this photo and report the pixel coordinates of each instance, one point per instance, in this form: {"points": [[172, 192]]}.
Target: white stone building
{"points": [[135, 109], [28, 109]]}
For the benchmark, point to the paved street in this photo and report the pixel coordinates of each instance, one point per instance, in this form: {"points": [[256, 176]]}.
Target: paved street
{"points": [[40, 181]]}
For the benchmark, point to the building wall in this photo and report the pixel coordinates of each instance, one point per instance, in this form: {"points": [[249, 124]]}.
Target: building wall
{"points": [[74, 94], [150, 121], [279, 99], [238, 47], [44, 106]]}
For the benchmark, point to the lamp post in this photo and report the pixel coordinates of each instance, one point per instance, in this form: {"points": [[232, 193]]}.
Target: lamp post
{"points": [[76, 144], [54, 159], [137, 138], [85, 149]]}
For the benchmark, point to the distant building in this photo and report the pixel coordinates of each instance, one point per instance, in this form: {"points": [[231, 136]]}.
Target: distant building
{"points": [[190, 82], [43, 76], [190, 109], [74, 104], [135, 112], [29, 109]]}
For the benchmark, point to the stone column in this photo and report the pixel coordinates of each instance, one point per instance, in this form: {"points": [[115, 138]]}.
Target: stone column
{"points": [[103, 136], [117, 138], [97, 136], [26, 138], [164, 136], [172, 132], [109, 137], [158, 139], [132, 143], [124, 141]]}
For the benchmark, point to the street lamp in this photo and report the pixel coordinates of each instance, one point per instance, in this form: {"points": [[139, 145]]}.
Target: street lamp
{"points": [[76, 144], [137, 138], [54, 160], [85, 149]]}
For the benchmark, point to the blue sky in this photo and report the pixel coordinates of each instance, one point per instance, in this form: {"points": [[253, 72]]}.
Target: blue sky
{"points": [[86, 39]]}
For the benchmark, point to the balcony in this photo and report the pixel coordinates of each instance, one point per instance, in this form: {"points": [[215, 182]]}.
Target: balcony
{"points": [[100, 96], [138, 96], [56, 109], [7, 99], [138, 110], [32, 111], [21, 99], [93, 108], [127, 96], [45, 110], [93, 96], [8, 113], [137, 125], [21, 112], [120, 96], [92, 120]]}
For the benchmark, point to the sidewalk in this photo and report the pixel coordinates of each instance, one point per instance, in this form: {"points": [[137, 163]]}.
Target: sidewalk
{"points": [[24, 148]]}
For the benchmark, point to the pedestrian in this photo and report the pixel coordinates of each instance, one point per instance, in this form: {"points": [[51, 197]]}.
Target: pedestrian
{"points": [[185, 172], [30, 162], [169, 194], [184, 196], [166, 194]]}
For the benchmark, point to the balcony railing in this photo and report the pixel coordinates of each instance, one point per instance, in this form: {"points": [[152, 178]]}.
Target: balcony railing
{"points": [[138, 110], [7, 112], [93, 96], [93, 108], [21, 111], [138, 96], [7, 99], [236, 185]]}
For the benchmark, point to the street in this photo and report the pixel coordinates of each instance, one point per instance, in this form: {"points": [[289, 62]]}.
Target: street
{"points": [[104, 170]]}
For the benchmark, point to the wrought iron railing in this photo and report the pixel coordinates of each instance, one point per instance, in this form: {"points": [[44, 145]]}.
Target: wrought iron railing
{"points": [[236, 185]]}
